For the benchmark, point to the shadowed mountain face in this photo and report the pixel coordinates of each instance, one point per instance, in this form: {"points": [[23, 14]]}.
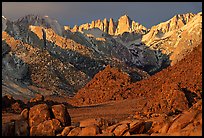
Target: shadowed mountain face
{"points": [[41, 56], [175, 88]]}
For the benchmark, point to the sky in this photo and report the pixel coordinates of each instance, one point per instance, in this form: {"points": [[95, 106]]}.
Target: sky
{"points": [[71, 13]]}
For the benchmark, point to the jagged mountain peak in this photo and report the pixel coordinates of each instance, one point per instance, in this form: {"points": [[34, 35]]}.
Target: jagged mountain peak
{"points": [[29, 17], [38, 20], [184, 15], [200, 13], [81, 54], [125, 16], [175, 23], [123, 24]]}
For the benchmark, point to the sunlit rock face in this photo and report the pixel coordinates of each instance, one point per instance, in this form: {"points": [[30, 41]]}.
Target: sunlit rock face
{"points": [[123, 24], [177, 36]]}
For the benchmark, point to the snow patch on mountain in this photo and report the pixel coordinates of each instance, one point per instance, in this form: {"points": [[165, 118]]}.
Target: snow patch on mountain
{"points": [[95, 32], [44, 21], [4, 22]]}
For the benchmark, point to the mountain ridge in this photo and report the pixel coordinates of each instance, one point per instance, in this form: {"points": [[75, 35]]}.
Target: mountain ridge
{"points": [[117, 81], [123, 24], [90, 51]]}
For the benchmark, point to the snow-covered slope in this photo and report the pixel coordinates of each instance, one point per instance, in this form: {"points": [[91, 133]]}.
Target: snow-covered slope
{"points": [[4, 22], [177, 36], [44, 21]]}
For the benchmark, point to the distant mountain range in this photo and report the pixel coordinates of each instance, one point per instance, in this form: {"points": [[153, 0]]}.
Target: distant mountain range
{"points": [[41, 56]]}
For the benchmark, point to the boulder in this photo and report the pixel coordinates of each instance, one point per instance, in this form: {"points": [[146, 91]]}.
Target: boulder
{"points": [[66, 130], [110, 128], [137, 127], [21, 128], [9, 104], [16, 107], [7, 101], [60, 112], [46, 128], [92, 130], [127, 121], [157, 124], [159, 134], [137, 115], [24, 114], [147, 125], [165, 127], [38, 98], [182, 121], [140, 135], [196, 132], [38, 114], [106, 134], [94, 121], [127, 133], [8, 129], [75, 131], [121, 129]]}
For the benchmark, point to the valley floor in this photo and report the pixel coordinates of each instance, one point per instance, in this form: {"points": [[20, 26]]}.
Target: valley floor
{"points": [[117, 110]]}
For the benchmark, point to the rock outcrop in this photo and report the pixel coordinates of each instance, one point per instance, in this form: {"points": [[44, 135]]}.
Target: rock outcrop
{"points": [[172, 90], [39, 119], [60, 113], [9, 104], [38, 98], [186, 123], [112, 27], [38, 114], [124, 24], [102, 87], [46, 128]]}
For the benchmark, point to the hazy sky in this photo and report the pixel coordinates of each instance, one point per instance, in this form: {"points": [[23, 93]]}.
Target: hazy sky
{"points": [[71, 13]]}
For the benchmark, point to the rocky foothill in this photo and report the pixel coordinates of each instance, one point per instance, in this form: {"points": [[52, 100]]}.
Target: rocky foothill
{"points": [[102, 87], [177, 87], [39, 117]]}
